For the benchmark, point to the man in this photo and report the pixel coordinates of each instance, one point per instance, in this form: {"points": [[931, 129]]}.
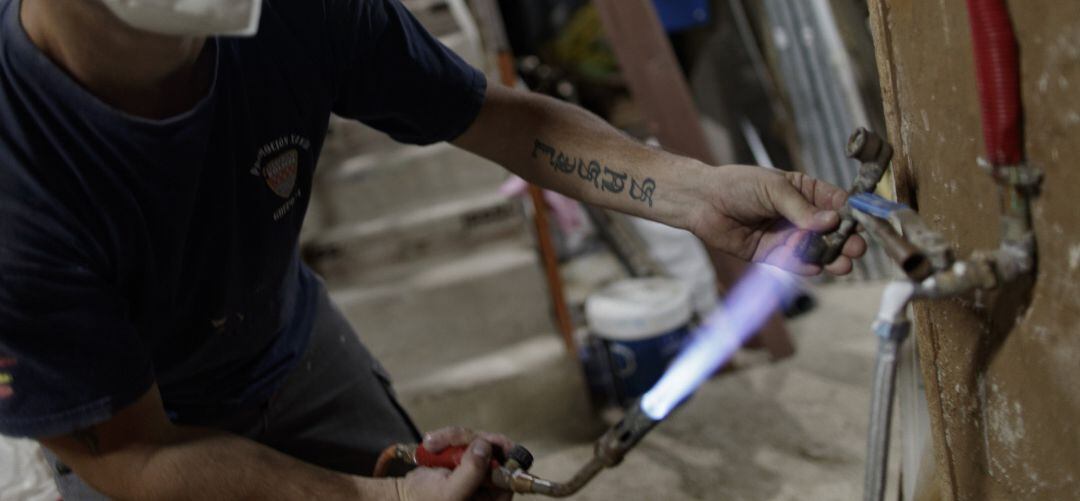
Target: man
{"points": [[158, 333]]}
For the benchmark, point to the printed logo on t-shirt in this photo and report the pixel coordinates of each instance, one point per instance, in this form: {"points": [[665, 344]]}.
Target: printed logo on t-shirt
{"points": [[7, 382], [278, 164], [280, 173]]}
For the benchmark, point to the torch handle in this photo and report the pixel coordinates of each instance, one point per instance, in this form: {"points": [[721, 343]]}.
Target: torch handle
{"points": [[449, 458]]}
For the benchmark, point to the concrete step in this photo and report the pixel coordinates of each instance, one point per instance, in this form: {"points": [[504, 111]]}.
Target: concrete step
{"points": [[530, 390], [371, 185], [347, 253], [421, 317]]}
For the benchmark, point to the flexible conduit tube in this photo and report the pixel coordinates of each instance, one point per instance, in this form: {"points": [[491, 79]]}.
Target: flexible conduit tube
{"points": [[998, 73]]}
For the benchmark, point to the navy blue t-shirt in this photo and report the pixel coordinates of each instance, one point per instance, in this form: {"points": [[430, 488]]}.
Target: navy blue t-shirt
{"points": [[135, 251]]}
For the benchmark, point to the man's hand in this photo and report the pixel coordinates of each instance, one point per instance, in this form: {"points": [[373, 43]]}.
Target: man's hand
{"points": [[762, 215], [465, 482]]}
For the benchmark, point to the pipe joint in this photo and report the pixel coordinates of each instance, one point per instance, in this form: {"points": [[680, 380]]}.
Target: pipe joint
{"points": [[894, 332], [1015, 258], [1022, 177], [962, 277], [874, 153]]}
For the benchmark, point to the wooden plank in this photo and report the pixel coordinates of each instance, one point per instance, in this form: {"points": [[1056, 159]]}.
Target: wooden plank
{"points": [[998, 367]]}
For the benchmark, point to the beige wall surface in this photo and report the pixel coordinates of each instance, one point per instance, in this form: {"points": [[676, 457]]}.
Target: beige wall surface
{"points": [[1002, 369]]}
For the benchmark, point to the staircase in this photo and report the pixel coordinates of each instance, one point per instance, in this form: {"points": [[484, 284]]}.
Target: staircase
{"points": [[429, 263]]}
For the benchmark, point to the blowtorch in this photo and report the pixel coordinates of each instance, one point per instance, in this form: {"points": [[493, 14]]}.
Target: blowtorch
{"points": [[711, 344], [509, 471]]}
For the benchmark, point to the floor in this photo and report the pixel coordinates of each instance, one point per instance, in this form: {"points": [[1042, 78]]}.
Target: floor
{"points": [[789, 430]]}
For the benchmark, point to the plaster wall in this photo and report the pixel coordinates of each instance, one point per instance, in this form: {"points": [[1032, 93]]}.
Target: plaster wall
{"points": [[1001, 369]]}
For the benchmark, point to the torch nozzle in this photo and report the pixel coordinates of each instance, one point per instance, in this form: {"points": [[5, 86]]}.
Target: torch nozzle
{"points": [[622, 437], [609, 451]]}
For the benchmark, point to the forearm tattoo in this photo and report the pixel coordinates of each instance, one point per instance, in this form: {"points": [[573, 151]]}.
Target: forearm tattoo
{"points": [[602, 177]]}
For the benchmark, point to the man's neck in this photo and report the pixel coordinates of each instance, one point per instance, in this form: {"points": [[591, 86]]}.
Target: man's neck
{"points": [[143, 74]]}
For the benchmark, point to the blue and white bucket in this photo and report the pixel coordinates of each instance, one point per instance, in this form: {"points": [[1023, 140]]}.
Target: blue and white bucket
{"points": [[639, 325]]}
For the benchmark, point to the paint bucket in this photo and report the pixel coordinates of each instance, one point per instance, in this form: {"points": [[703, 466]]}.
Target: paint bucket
{"points": [[637, 326]]}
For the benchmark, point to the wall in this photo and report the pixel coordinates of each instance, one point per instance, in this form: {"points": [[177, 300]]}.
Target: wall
{"points": [[1000, 369]]}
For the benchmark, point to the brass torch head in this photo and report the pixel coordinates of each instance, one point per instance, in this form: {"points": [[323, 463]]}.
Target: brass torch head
{"points": [[612, 447]]}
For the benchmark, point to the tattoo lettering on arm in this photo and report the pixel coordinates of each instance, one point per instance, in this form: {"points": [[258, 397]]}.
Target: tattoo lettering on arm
{"points": [[602, 177], [614, 181], [544, 149], [87, 438], [564, 164], [643, 192], [590, 173]]}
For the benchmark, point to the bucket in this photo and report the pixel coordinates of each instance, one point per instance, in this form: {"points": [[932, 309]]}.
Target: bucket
{"points": [[637, 327]]}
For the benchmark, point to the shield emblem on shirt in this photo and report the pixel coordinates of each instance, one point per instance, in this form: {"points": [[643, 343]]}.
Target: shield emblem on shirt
{"points": [[280, 173]]}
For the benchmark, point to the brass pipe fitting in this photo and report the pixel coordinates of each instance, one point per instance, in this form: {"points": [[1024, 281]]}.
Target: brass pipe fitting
{"points": [[874, 153]]}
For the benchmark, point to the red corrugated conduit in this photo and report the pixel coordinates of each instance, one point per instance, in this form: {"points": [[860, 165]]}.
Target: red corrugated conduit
{"points": [[998, 69]]}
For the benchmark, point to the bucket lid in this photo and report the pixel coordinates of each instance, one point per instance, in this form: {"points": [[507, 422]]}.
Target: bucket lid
{"points": [[638, 308]]}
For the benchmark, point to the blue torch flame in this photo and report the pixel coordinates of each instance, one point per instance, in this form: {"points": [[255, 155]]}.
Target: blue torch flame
{"points": [[746, 307]]}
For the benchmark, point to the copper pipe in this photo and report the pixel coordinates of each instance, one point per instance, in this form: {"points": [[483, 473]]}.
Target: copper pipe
{"points": [[910, 258]]}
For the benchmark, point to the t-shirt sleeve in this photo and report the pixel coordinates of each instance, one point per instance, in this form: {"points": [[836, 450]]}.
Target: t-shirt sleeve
{"points": [[69, 356], [392, 75]]}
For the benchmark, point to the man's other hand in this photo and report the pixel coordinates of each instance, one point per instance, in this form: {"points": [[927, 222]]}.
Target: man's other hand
{"points": [[763, 215], [465, 482]]}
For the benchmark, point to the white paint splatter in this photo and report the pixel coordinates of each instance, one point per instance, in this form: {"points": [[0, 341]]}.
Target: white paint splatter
{"points": [[1074, 257], [945, 22], [1044, 83], [1041, 332], [1005, 421], [925, 120]]}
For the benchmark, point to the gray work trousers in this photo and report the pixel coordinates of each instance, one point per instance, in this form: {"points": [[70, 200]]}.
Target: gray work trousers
{"points": [[336, 408]]}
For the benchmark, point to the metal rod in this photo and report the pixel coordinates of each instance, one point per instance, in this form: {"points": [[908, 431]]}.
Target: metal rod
{"points": [[877, 449]]}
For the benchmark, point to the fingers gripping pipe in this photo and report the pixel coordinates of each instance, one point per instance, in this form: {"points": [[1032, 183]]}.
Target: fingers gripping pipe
{"points": [[874, 155]]}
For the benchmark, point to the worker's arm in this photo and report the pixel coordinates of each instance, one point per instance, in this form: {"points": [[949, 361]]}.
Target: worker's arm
{"points": [[750, 212], [139, 454]]}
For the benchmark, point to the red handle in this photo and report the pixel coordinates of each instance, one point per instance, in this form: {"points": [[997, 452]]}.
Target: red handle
{"points": [[448, 458]]}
